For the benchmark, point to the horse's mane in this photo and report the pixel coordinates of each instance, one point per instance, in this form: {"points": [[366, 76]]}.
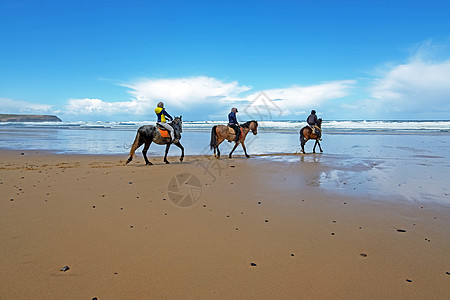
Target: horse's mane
{"points": [[247, 124]]}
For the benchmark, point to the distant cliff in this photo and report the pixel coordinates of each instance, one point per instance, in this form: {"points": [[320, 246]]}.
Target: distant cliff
{"points": [[28, 118]]}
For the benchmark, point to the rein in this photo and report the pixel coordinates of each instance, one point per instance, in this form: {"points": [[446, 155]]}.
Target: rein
{"points": [[320, 129]]}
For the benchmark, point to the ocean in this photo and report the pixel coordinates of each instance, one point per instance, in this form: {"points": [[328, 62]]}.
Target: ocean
{"points": [[273, 136]]}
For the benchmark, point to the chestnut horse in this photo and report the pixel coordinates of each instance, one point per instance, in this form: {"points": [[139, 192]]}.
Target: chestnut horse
{"points": [[148, 133], [219, 133], [306, 133]]}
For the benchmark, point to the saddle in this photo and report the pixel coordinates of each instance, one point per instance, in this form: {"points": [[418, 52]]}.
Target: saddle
{"points": [[317, 131], [231, 130], [163, 131]]}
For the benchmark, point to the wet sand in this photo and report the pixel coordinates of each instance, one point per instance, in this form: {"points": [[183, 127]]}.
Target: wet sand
{"points": [[272, 227]]}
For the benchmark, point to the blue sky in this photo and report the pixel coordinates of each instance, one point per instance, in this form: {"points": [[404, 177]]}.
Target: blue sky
{"points": [[114, 60]]}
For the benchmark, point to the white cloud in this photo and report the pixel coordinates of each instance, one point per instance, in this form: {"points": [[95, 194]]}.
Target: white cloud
{"points": [[213, 97], [296, 100], [413, 86], [184, 92], [23, 107], [99, 107], [418, 89]]}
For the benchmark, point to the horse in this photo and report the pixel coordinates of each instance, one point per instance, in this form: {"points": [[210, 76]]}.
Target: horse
{"points": [[219, 133], [148, 133], [306, 133]]}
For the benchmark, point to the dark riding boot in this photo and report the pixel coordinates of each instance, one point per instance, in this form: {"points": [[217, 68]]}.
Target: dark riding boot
{"points": [[237, 131]]}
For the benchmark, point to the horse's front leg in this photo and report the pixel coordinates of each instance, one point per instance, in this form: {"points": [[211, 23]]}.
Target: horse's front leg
{"points": [[234, 148], [178, 144], [144, 153], [245, 150], [165, 155], [318, 143]]}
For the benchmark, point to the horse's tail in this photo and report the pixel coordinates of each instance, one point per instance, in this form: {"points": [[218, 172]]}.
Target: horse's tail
{"points": [[213, 142], [134, 146], [302, 137]]}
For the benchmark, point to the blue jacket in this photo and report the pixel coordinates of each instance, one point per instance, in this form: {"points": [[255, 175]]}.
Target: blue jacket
{"points": [[161, 114], [232, 118]]}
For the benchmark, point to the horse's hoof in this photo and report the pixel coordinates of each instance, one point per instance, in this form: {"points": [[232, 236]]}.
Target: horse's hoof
{"points": [[167, 162], [181, 159], [149, 164], [248, 156]]}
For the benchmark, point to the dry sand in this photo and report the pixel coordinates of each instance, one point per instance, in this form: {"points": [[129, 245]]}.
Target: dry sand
{"points": [[123, 235]]}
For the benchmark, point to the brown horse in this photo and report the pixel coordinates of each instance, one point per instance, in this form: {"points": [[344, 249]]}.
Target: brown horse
{"points": [[306, 133], [219, 133]]}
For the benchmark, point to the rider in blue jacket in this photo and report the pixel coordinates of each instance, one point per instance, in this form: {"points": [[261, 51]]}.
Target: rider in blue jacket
{"points": [[233, 123]]}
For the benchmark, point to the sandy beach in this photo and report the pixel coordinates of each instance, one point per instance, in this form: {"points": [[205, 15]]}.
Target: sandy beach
{"points": [[269, 227]]}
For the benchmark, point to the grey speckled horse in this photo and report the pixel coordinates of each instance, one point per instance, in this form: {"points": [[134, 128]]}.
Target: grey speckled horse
{"points": [[148, 133]]}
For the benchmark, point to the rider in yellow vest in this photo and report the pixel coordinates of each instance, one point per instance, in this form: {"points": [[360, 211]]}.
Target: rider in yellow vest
{"points": [[162, 115]]}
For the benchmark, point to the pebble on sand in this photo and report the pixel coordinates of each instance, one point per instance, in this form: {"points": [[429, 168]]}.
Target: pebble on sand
{"points": [[363, 254], [408, 280], [253, 264], [401, 230], [65, 268]]}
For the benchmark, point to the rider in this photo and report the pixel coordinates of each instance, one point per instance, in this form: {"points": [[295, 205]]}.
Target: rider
{"points": [[233, 123], [162, 115], [312, 122]]}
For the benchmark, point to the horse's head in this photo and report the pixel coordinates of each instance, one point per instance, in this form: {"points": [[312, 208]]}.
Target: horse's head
{"points": [[254, 127], [178, 122], [177, 125], [319, 122]]}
